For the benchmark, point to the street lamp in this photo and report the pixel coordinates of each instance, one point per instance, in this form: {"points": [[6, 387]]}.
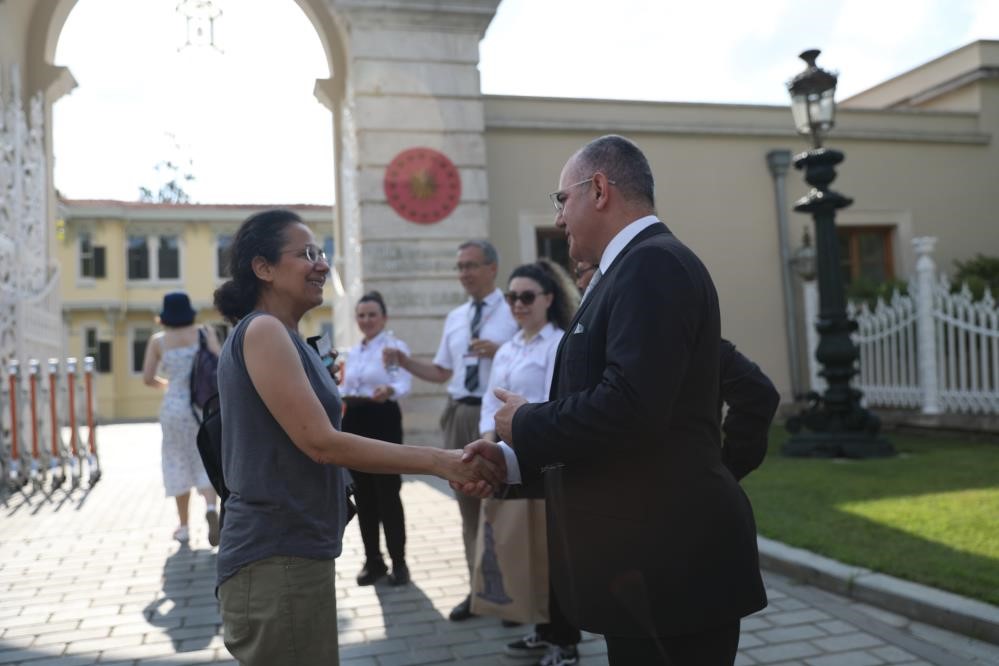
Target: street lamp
{"points": [[834, 424]]}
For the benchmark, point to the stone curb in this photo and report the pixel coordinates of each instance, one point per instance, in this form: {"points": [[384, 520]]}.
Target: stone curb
{"points": [[918, 602]]}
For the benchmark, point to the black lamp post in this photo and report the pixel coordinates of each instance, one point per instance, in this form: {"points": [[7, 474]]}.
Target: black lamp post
{"points": [[833, 424]]}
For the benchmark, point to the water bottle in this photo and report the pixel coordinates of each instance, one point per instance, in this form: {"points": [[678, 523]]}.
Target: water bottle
{"points": [[391, 343]]}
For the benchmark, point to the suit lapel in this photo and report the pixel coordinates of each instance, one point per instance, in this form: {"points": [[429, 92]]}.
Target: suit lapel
{"points": [[648, 232]]}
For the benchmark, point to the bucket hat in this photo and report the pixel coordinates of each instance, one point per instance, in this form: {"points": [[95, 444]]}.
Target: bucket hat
{"points": [[177, 310]]}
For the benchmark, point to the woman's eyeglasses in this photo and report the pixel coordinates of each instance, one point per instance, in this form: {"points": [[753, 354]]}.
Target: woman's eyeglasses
{"points": [[312, 254], [525, 297]]}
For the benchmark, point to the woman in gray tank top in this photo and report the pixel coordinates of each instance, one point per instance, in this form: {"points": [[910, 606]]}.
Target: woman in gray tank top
{"points": [[283, 455]]}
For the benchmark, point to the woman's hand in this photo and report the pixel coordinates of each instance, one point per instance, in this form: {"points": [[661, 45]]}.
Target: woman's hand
{"points": [[476, 476]]}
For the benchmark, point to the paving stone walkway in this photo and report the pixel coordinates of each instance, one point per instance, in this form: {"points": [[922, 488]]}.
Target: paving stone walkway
{"points": [[92, 576]]}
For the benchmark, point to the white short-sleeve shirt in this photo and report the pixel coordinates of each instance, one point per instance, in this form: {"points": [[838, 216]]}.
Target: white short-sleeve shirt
{"points": [[526, 368], [365, 370], [498, 325]]}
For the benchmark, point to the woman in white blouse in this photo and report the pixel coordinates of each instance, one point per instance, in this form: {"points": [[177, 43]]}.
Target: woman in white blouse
{"points": [[543, 300], [371, 392]]}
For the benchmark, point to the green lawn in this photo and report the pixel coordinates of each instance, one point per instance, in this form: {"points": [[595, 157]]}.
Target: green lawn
{"points": [[929, 515]]}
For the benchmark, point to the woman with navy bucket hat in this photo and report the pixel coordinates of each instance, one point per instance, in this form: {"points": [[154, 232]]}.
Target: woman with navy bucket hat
{"points": [[172, 353]]}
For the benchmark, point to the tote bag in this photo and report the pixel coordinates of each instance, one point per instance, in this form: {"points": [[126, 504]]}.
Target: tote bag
{"points": [[510, 578]]}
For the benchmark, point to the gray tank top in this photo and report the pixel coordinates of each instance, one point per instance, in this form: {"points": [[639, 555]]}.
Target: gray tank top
{"points": [[281, 501]]}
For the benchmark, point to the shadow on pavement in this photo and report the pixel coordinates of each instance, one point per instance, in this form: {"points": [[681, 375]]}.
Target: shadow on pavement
{"points": [[187, 609]]}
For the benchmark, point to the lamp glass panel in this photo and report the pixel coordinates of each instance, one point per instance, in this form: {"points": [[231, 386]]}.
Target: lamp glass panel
{"points": [[799, 111]]}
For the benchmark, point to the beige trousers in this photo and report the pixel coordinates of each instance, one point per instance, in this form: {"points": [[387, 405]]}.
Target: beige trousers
{"points": [[460, 424]]}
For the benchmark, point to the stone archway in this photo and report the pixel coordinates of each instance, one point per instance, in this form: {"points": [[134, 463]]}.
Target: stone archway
{"points": [[404, 76]]}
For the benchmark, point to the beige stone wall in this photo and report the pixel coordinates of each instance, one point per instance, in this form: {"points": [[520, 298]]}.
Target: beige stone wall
{"points": [[924, 173]]}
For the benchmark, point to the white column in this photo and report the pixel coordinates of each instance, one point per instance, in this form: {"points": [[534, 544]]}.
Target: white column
{"points": [[926, 339], [810, 294]]}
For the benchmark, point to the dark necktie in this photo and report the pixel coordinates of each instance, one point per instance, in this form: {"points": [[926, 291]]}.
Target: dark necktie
{"points": [[472, 371], [593, 283]]}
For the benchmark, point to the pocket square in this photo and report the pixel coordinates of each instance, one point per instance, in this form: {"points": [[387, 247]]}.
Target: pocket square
{"points": [[579, 329]]}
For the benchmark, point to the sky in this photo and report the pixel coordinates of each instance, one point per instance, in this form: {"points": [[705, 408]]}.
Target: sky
{"points": [[244, 122]]}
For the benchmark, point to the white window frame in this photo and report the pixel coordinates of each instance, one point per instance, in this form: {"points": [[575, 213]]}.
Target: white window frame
{"points": [[153, 246], [132, 330]]}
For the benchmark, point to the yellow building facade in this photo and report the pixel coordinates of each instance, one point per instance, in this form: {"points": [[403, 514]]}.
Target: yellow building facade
{"points": [[120, 258]]}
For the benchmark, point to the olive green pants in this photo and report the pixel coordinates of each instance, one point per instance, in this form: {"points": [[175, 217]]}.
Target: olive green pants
{"points": [[281, 610]]}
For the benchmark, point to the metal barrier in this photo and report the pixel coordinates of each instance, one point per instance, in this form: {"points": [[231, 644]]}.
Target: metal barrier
{"points": [[41, 423]]}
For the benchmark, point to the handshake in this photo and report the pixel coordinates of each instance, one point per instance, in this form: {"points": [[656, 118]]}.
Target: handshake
{"points": [[481, 466], [478, 470]]}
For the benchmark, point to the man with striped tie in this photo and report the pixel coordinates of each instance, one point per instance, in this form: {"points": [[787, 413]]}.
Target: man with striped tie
{"points": [[472, 333]]}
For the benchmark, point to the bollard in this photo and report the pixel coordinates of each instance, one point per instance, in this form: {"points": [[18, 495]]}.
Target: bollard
{"points": [[74, 450], [14, 472], [36, 462], [56, 465], [93, 464]]}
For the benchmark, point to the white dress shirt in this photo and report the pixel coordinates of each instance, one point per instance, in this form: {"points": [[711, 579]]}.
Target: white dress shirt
{"points": [[618, 243], [365, 370], [526, 368], [497, 325]]}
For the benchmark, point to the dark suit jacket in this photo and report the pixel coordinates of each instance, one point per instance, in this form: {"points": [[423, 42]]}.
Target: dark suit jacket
{"points": [[649, 533], [752, 402]]}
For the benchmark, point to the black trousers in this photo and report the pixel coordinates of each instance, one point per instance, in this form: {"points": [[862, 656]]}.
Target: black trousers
{"points": [[557, 629], [377, 495], [713, 647]]}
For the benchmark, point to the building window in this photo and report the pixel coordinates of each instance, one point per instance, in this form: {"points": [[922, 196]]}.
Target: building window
{"points": [[552, 243], [138, 258], [153, 257], [99, 349], [865, 254], [92, 258], [223, 248], [140, 340], [168, 256]]}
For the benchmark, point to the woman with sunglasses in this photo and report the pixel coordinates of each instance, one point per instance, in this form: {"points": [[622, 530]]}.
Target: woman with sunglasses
{"points": [[543, 300], [284, 456]]}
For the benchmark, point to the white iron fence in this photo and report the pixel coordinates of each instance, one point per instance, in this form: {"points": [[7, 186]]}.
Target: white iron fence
{"points": [[929, 349]]}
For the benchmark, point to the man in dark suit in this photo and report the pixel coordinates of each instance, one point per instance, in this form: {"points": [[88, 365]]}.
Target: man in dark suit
{"points": [[652, 542]]}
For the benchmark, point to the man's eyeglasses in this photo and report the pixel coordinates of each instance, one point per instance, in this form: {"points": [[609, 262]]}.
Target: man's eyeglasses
{"points": [[468, 266], [559, 198], [525, 297], [312, 254]]}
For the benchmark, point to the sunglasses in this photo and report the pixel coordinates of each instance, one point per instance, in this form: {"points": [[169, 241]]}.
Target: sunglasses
{"points": [[525, 297]]}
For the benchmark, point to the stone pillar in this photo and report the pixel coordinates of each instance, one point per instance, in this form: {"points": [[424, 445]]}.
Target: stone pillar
{"points": [[810, 297], [412, 82], [925, 335]]}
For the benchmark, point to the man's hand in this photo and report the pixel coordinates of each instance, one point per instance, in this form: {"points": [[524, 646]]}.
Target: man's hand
{"points": [[482, 451], [504, 417], [483, 348], [397, 357], [382, 393]]}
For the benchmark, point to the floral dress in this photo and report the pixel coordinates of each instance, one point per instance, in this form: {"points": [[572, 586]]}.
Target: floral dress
{"points": [[182, 467]]}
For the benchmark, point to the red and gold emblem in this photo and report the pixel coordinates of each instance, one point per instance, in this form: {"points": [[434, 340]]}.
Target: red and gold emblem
{"points": [[422, 185]]}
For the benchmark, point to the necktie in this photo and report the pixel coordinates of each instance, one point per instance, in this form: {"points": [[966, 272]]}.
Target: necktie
{"points": [[472, 371], [593, 283]]}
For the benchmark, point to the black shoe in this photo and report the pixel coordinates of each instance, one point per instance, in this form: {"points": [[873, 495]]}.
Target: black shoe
{"points": [[399, 575], [531, 645], [462, 611], [511, 623], [560, 655], [372, 571]]}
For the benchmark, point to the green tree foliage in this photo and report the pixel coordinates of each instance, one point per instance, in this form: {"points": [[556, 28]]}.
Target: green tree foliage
{"points": [[869, 291], [978, 272]]}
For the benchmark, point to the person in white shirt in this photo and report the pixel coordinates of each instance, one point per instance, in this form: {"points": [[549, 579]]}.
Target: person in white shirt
{"points": [[543, 300], [472, 334], [371, 393]]}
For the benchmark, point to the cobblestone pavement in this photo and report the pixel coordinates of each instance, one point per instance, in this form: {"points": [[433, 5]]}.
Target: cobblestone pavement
{"points": [[92, 576]]}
